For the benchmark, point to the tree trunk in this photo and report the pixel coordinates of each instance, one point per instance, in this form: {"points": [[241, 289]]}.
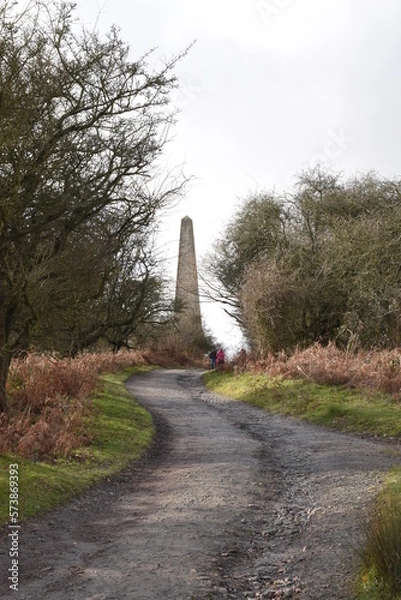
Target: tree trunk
{"points": [[5, 361], [5, 356]]}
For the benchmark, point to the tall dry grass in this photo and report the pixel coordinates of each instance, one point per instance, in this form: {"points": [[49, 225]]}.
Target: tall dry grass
{"points": [[374, 370], [49, 398]]}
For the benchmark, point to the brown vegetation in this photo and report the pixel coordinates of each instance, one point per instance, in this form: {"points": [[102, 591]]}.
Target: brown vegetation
{"points": [[374, 370], [49, 398]]}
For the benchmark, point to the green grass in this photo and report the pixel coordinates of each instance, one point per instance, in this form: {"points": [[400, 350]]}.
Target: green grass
{"points": [[380, 554], [380, 574], [369, 587], [340, 408], [122, 431]]}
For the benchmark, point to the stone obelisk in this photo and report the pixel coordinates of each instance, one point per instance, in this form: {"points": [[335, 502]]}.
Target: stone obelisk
{"points": [[188, 315]]}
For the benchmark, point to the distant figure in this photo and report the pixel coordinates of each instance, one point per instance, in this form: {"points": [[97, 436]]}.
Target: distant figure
{"points": [[212, 356], [220, 357]]}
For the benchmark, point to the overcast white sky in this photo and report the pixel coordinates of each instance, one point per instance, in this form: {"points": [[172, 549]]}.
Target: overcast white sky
{"points": [[269, 87]]}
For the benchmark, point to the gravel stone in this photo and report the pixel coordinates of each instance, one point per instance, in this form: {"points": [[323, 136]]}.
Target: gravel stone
{"points": [[232, 502]]}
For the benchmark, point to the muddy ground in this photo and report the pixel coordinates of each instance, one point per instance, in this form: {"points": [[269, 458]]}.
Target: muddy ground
{"points": [[231, 502]]}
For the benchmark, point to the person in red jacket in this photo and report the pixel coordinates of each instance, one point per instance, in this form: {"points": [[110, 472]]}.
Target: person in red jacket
{"points": [[220, 357]]}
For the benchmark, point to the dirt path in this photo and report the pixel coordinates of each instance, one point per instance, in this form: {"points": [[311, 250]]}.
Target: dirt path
{"points": [[231, 503]]}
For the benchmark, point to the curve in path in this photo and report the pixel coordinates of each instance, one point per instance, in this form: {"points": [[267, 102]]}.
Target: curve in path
{"points": [[236, 503]]}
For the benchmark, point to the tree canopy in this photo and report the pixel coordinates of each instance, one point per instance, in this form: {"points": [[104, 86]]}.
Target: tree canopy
{"points": [[82, 127], [324, 266]]}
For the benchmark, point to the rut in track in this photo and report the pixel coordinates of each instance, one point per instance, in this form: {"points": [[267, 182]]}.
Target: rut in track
{"points": [[232, 502]]}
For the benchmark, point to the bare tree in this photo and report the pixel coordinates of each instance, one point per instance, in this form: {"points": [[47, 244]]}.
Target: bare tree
{"points": [[258, 230], [329, 273], [81, 127]]}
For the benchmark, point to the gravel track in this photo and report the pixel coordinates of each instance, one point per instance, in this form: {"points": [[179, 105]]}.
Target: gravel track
{"points": [[231, 503]]}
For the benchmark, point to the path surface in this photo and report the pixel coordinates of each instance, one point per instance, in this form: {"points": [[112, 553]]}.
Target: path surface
{"points": [[232, 503]]}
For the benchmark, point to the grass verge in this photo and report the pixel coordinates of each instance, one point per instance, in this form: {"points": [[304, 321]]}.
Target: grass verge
{"points": [[348, 410], [121, 431], [380, 553]]}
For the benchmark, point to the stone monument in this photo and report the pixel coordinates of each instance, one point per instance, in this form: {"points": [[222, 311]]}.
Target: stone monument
{"points": [[187, 306]]}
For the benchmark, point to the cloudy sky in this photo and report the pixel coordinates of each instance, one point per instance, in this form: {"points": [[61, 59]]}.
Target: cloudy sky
{"points": [[268, 88]]}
